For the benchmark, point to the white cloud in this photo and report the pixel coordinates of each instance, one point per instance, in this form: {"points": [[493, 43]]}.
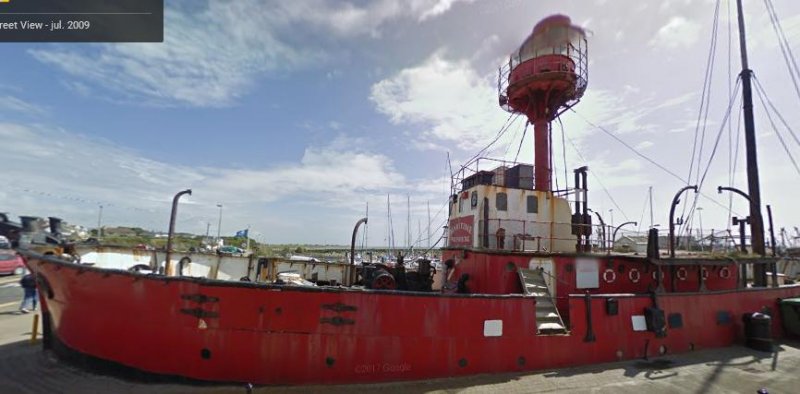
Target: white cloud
{"points": [[213, 52], [72, 175], [448, 102], [209, 58], [439, 7], [15, 104], [679, 32]]}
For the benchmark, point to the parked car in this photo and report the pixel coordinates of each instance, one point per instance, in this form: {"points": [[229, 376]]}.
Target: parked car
{"points": [[4, 243], [11, 263]]}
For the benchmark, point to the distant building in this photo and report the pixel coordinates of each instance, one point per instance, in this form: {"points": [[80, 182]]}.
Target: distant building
{"points": [[638, 243], [631, 244]]}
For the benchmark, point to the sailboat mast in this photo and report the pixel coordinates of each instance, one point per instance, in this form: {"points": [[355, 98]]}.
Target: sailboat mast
{"points": [[650, 191], [756, 221], [408, 221], [429, 224]]}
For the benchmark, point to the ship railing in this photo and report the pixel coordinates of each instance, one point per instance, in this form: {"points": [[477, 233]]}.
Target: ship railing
{"points": [[476, 165], [498, 167], [541, 236], [575, 51]]}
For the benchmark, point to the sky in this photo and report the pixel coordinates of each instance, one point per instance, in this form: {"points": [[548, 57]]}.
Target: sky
{"points": [[294, 116]]}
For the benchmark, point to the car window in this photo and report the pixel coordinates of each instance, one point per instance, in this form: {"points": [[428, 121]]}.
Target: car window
{"points": [[7, 257]]}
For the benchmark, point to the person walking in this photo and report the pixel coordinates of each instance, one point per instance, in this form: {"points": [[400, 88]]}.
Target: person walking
{"points": [[28, 283]]}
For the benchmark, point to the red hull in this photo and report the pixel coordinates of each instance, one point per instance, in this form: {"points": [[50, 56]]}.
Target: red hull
{"points": [[243, 332]]}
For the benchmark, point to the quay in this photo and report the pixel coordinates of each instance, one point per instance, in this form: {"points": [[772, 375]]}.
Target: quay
{"points": [[26, 368]]}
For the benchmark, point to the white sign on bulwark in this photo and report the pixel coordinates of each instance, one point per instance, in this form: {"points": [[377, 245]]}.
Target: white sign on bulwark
{"points": [[587, 273]]}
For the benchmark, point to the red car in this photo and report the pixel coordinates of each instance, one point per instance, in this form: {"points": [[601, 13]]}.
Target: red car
{"points": [[11, 263]]}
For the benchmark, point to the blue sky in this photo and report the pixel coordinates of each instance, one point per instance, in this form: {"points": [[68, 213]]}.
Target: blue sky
{"points": [[294, 115]]}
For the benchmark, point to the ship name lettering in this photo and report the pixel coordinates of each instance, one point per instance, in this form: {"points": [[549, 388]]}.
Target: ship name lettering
{"points": [[385, 368]]}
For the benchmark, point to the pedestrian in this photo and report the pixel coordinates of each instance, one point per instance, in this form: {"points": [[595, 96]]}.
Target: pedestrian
{"points": [[28, 283]]}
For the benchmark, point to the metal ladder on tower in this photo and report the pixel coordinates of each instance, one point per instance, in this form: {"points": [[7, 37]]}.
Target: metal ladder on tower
{"points": [[548, 320]]}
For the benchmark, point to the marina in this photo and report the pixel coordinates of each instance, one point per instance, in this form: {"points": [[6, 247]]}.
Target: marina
{"points": [[531, 287]]}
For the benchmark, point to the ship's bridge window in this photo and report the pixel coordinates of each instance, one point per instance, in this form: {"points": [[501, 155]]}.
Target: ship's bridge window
{"points": [[461, 204], [533, 204], [501, 202]]}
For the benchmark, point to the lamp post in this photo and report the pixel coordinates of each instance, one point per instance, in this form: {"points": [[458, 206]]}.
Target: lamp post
{"points": [[219, 225], [100, 222]]}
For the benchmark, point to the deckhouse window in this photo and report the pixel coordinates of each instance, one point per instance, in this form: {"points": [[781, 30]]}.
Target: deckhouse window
{"points": [[533, 204], [501, 201]]}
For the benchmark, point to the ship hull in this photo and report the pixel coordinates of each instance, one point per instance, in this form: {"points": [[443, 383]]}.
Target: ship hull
{"points": [[219, 331]]}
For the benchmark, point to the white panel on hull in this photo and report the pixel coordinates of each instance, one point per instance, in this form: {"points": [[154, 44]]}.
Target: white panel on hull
{"points": [[587, 273], [492, 328]]}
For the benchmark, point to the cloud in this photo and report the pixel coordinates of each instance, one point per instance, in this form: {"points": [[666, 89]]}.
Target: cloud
{"points": [[74, 174], [679, 32], [446, 102], [439, 7], [209, 58], [14, 104], [213, 52]]}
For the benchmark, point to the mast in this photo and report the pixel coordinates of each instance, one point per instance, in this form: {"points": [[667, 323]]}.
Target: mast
{"points": [[756, 220], [408, 221], [650, 191], [366, 228], [429, 224]]}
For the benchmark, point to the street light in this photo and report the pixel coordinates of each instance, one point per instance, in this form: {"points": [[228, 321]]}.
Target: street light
{"points": [[219, 226]]}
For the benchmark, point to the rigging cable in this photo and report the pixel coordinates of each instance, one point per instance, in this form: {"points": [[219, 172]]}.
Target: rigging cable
{"points": [[564, 153], [524, 132], [511, 143], [725, 120], [705, 98], [777, 133], [786, 49], [786, 124], [701, 181], [730, 128], [705, 104], [553, 168], [641, 217], [597, 178], [632, 149], [636, 152], [500, 133]]}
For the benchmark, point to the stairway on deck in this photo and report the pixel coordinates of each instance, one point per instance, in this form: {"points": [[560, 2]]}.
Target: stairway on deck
{"points": [[548, 321]]}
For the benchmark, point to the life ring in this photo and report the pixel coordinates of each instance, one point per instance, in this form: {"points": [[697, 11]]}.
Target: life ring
{"points": [[634, 275], [724, 273], [704, 272], [681, 274], [609, 275]]}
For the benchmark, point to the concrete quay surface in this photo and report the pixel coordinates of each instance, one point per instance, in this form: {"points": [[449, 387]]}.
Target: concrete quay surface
{"points": [[26, 368]]}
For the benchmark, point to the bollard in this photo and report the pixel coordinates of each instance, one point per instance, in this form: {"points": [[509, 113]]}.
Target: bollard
{"points": [[35, 329]]}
